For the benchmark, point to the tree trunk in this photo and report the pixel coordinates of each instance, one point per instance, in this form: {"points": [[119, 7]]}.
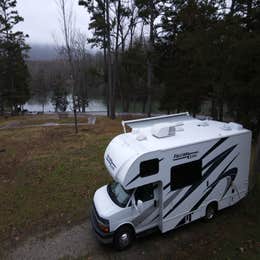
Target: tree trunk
{"points": [[249, 14], [149, 61], [134, 102], [232, 7], [213, 108], [66, 31], [109, 69], [105, 68], [125, 103], [256, 164], [221, 111], [115, 78], [144, 105], [106, 81], [149, 87], [1, 109]]}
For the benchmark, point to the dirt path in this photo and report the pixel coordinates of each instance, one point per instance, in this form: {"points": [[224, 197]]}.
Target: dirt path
{"points": [[196, 241], [79, 241], [74, 242]]}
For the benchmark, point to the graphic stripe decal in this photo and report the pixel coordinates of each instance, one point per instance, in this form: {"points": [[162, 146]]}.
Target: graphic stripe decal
{"points": [[157, 216], [171, 198], [139, 175], [209, 163], [222, 140], [168, 201], [144, 215], [230, 173], [224, 173], [166, 186], [207, 153], [214, 164]]}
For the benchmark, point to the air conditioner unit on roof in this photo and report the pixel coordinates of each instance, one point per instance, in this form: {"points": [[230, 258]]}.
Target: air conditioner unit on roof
{"points": [[163, 130]]}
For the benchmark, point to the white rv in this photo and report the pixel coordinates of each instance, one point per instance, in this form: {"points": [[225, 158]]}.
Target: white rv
{"points": [[169, 171]]}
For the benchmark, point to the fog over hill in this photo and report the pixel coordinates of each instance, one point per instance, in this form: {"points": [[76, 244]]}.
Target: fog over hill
{"points": [[42, 52], [48, 52]]}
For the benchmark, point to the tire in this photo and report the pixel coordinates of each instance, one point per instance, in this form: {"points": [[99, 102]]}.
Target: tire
{"points": [[211, 211], [123, 238]]}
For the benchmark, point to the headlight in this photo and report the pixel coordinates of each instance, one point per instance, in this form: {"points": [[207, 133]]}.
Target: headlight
{"points": [[102, 223], [103, 227]]}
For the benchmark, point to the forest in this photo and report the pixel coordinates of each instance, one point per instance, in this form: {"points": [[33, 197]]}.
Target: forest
{"points": [[178, 55]]}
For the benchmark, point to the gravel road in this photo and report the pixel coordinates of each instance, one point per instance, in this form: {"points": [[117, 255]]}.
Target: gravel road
{"points": [[79, 241], [71, 243]]}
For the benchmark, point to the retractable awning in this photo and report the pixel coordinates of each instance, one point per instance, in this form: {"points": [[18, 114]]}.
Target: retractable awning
{"points": [[148, 122]]}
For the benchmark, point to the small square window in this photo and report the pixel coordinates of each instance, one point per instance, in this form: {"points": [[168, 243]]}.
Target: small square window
{"points": [[149, 167]]}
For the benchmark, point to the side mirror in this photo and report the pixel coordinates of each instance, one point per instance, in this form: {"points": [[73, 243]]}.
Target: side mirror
{"points": [[139, 204]]}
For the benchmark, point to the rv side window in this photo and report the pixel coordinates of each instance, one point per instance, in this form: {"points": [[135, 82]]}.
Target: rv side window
{"points": [[185, 174], [149, 167], [144, 193]]}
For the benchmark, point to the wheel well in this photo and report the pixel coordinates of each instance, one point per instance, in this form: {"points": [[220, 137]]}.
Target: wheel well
{"points": [[213, 204], [128, 225]]}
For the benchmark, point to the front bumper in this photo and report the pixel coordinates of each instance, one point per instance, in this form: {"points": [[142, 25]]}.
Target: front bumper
{"points": [[105, 238]]}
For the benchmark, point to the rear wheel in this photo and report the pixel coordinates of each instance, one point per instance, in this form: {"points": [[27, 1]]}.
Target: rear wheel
{"points": [[211, 211], [123, 237]]}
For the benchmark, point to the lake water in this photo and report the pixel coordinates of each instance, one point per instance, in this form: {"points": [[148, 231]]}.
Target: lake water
{"points": [[95, 105]]}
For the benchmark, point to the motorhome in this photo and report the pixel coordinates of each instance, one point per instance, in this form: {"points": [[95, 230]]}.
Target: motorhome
{"points": [[168, 171]]}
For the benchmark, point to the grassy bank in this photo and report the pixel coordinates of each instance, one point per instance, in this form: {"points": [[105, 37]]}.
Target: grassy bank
{"points": [[48, 175]]}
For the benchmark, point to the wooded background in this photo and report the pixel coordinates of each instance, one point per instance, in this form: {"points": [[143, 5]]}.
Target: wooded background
{"points": [[179, 54]]}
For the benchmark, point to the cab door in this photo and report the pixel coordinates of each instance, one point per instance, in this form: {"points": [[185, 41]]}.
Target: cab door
{"points": [[147, 208]]}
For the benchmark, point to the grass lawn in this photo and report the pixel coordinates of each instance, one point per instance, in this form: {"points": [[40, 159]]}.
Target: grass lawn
{"points": [[48, 177]]}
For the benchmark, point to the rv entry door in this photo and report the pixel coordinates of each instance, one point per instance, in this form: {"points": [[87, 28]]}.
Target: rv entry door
{"points": [[147, 207]]}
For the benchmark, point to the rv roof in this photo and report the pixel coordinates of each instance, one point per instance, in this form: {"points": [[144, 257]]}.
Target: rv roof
{"points": [[188, 130]]}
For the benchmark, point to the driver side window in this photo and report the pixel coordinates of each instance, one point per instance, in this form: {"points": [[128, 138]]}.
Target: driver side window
{"points": [[144, 193]]}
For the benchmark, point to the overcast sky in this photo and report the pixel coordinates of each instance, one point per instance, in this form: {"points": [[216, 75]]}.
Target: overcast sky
{"points": [[41, 20]]}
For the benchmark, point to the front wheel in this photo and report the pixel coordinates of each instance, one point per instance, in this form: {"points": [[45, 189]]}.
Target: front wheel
{"points": [[123, 238]]}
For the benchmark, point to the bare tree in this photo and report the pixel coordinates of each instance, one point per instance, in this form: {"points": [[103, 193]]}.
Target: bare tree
{"points": [[68, 31], [112, 23], [81, 66]]}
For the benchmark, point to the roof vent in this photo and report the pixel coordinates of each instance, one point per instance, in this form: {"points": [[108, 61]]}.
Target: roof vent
{"points": [[236, 126], [231, 126], [203, 123], [163, 130], [135, 131], [141, 137], [226, 127]]}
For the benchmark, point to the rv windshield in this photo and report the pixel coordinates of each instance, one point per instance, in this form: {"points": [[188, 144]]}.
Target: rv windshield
{"points": [[118, 194]]}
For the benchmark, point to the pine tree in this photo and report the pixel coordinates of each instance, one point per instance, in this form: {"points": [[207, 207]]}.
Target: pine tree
{"points": [[14, 77]]}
